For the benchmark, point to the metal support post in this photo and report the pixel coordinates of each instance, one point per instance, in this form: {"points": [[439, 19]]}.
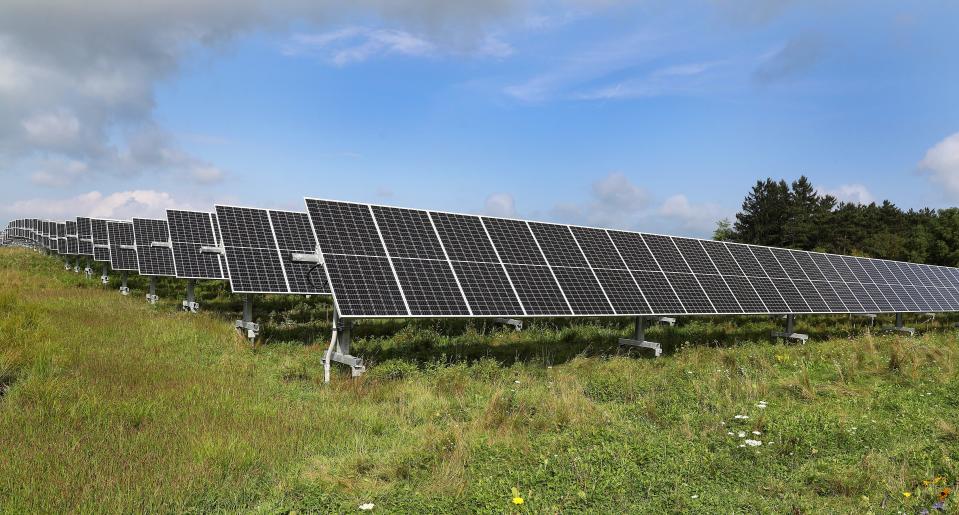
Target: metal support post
{"points": [[517, 324], [123, 284], [247, 323], [88, 271], [790, 333], [190, 303], [639, 339], [870, 316], [900, 327], [339, 349], [66, 264], [152, 297]]}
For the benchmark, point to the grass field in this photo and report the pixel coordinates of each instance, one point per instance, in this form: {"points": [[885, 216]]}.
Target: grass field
{"points": [[108, 404]]}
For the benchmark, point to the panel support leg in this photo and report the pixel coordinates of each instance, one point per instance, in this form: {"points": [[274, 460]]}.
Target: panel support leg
{"points": [[517, 324], [790, 333], [247, 323], [639, 339], [124, 290], [66, 264], [339, 349], [190, 305], [152, 297], [88, 270], [104, 278], [900, 327]]}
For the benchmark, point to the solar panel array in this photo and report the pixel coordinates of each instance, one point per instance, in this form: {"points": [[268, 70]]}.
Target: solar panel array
{"points": [[154, 250], [101, 240], [395, 262], [123, 253], [259, 246], [189, 232]]}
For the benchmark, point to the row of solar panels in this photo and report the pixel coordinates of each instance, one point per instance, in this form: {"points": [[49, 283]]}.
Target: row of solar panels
{"points": [[380, 261]]}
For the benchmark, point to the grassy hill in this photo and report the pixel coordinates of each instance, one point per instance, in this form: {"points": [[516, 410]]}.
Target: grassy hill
{"points": [[109, 404]]}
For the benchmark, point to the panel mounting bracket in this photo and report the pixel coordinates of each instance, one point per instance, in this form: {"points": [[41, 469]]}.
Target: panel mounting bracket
{"points": [[212, 250], [304, 257], [162, 244], [517, 324], [152, 297], [900, 327], [104, 277], [88, 272], [639, 339], [124, 290], [252, 329], [790, 333], [339, 349], [190, 305], [670, 321]]}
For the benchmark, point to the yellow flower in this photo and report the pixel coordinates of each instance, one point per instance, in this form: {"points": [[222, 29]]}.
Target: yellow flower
{"points": [[907, 494], [944, 493], [517, 500]]}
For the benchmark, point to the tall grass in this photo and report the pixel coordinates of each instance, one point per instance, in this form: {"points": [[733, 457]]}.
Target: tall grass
{"points": [[108, 404]]}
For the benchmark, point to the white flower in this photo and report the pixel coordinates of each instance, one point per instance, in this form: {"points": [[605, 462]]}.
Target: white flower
{"points": [[742, 434], [757, 433], [741, 417], [752, 443], [694, 497], [517, 382], [730, 433], [367, 507]]}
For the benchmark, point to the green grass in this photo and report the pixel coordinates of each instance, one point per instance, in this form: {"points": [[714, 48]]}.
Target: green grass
{"points": [[111, 405]]}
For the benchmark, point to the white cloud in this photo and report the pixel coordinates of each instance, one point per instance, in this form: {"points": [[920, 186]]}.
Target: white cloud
{"points": [[851, 193], [617, 193], [59, 173], [77, 79], [500, 204], [941, 163], [120, 205], [689, 217], [680, 79]]}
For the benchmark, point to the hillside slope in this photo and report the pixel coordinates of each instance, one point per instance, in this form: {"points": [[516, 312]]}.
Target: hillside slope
{"points": [[108, 404]]}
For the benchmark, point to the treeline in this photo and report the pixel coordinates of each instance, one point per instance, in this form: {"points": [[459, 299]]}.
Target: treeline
{"points": [[795, 216]]}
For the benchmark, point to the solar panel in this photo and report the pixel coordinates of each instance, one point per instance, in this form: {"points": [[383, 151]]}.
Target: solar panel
{"points": [[62, 238], [190, 231], [295, 236], [84, 236], [252, 257], [123, 253], [154, 248], [442, 264], [73, 247], [101, 240]]}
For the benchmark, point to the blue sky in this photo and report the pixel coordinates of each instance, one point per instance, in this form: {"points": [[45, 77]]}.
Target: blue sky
{"points": [[656, 116]]}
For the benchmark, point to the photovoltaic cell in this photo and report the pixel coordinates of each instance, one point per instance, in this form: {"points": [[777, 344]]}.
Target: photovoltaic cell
{"points": [[430, 287], [746, 260], [825, 266], [252, 258], [487, 288], [857, 270], [345, 228], [464, 238], [665, 253], [791, 295], [513, 241], [695, 256], [660, 295], [769, 262], [721, 257], [537, 290], [842, 268], [364, 286], [878, 298], [295, 236], [622, 291], [719, 294], [808, 266], [811, 296], [789, 263], [582, 291], [690, 293], [832, 299], [598, 248], [557, 244], [634, 251], [408, 233], [746, 294]]}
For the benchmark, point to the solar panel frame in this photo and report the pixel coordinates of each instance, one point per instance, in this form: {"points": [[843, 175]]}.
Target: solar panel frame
{"points": [[253, 260]]}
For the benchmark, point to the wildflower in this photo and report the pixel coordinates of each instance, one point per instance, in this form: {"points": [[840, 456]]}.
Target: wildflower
{"points": [[367, 507], [939, 506], [694, 496], [730, 433], [753, 443], [907, 494], [757, 433], [517, 500], [944, 493], [741, 417], [742, 434], [517, 381]]}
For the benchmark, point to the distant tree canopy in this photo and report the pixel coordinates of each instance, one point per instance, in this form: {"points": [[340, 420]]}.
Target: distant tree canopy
{"points": [[796, 216]]}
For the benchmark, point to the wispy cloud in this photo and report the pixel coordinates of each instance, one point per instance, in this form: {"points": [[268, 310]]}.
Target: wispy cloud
{"points": [[679, 79], [352, 45], [795, 57]]}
